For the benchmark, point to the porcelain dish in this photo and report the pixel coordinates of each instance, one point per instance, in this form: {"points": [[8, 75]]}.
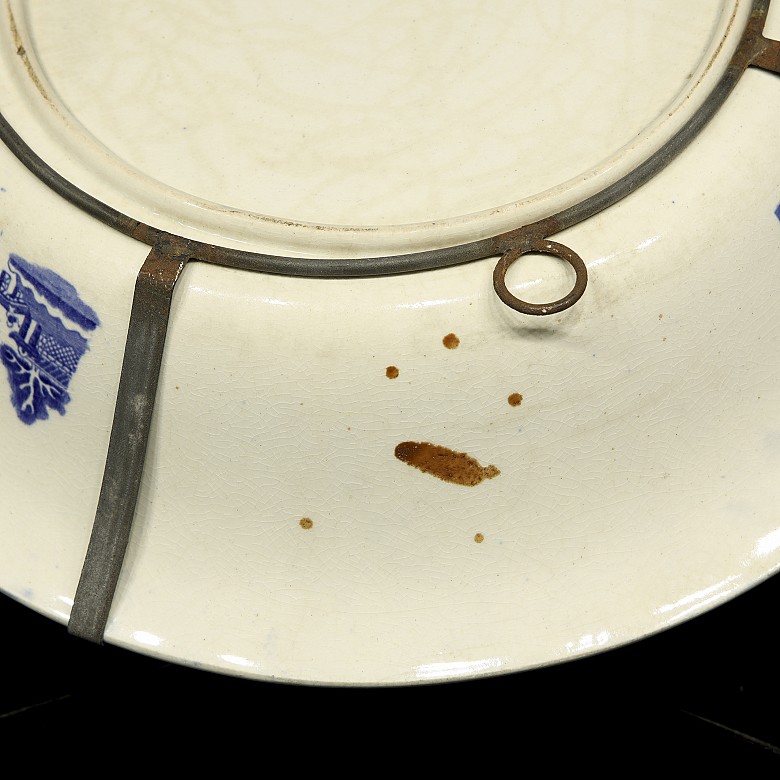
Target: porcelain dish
{"points": [[387, 343]]}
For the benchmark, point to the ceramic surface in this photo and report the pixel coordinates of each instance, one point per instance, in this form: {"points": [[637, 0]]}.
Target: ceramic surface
{"points": [[635, 438], [372, 128]]}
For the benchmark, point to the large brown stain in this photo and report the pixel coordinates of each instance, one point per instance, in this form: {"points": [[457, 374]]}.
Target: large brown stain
{"points": [[451, 341], [391, 372], [515, 399], [444, 463]]}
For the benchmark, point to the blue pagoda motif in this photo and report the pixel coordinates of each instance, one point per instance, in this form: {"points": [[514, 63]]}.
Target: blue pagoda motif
{"points": [[47, 327]]}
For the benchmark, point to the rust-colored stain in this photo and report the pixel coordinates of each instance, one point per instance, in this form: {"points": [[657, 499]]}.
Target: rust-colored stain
{"points": [[23, 56], [479, 538], [451, 341], [515, 399], [391, 372], [306, 523], [444, 463]]}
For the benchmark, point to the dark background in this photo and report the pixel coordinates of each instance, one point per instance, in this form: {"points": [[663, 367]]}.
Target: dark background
{"points": [[702, 694]]}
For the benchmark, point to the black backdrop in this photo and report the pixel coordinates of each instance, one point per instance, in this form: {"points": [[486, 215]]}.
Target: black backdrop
{"points": [[703, 693]]}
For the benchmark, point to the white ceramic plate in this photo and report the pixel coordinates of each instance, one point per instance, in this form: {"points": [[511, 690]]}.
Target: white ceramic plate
{"points": [[280, 532]]}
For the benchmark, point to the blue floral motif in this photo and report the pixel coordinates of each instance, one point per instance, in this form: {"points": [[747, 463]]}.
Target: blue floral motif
{"points": [[33, 392], [47, 325]]}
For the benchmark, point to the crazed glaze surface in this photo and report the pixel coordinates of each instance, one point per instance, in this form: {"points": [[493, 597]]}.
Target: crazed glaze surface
{"points": [[375, 127], [278, 536]]}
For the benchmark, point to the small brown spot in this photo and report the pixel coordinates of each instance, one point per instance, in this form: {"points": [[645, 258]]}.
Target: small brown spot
{"points": [[306, 523], [660, 316], [444, 463], [391, 372], [479, 538], [515, 399], [451, 341]]}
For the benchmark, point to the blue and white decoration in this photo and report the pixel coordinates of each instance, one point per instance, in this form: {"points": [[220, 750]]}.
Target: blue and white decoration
{"points": [[46, 334]]}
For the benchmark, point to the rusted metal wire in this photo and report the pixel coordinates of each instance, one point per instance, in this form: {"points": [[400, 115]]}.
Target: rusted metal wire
{"points": [[545, 247], [129, 436]]}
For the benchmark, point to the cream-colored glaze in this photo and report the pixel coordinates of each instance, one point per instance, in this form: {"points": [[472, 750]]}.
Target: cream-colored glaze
{"points": [[638, 479], [368, 128]]}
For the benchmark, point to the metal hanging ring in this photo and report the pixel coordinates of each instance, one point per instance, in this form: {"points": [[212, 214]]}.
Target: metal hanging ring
{"points": [[545, 247]]}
